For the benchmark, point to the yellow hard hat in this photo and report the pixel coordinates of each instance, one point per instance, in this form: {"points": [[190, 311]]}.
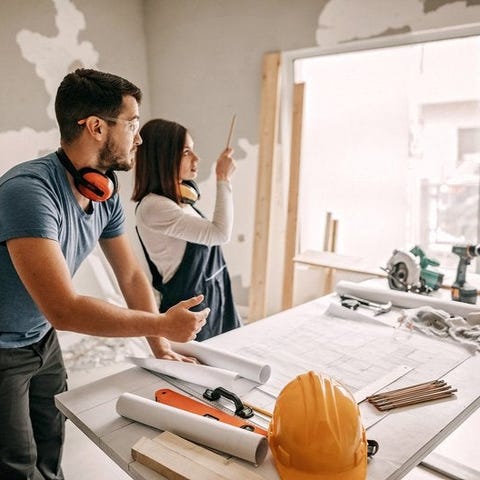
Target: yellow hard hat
{"points": [[316, 431]]}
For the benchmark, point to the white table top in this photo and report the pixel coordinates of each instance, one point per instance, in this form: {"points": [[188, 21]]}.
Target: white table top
{"points": [[304, 335]]}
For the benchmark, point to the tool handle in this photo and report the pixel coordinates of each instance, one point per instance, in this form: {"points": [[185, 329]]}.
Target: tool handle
{"points": [[240, 409], [361, 301]]}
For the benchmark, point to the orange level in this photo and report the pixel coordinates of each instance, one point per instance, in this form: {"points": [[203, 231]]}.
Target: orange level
{"points": [[177, 400]]}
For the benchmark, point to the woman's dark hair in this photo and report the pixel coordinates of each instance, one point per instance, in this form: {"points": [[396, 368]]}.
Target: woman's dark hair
{"points": [[157, 166], [86, 92]]}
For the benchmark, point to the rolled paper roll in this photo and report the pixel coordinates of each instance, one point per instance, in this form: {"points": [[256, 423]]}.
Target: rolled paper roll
{"points": [[188, 372], [220, 436], [245, 367], [404, 299]]}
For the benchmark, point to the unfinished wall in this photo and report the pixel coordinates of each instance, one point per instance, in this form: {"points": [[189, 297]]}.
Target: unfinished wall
{"points": [[198, 62], [41, 41], [205, 64]]}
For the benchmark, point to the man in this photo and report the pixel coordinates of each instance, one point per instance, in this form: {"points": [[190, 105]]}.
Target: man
{"points": [[53, 210]]}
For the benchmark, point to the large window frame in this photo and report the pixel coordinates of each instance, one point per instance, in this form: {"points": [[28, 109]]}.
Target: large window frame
{"points": [[289, 58]]}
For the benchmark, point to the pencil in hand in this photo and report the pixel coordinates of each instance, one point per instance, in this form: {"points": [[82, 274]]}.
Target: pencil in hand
{"points": [[232, 125]]}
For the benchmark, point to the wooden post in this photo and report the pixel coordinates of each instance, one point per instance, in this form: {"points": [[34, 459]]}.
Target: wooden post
{"points": [[292, 212], [333, 242], [328, 232], [266, 153], [330, 245]]}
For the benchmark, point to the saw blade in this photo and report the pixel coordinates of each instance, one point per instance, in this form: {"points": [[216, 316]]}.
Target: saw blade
{"points": [[397, 277]]}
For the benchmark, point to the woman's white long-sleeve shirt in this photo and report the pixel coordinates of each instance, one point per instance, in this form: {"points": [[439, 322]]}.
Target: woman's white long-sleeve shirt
{"points": [[165, 227]]}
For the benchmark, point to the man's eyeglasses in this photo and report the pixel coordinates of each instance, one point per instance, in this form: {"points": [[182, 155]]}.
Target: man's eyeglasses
{"points": [[133, 125]]}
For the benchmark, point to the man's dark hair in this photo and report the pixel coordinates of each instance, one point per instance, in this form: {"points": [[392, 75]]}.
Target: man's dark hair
{"points": [[86, 92], [157, 166]]}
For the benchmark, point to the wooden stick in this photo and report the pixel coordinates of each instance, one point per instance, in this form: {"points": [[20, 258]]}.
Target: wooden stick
{"points": [[411, 387], [426, 398], [406, 393], [229, 138], [416, 396]]}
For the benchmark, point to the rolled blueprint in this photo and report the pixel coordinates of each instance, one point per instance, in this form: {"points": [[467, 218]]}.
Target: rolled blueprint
{"points": [[256, 371], [404, 299], [188, 372], [236, 441]]}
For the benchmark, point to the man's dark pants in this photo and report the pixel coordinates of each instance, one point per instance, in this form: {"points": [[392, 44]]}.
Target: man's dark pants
{"points": [[32, 430]]}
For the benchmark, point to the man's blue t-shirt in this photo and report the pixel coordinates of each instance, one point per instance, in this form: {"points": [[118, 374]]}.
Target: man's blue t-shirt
{"points": [[36, 200]]}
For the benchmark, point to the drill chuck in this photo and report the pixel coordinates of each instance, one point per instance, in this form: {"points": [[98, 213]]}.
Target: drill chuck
{"points": [[474, 250], [466, 251]]}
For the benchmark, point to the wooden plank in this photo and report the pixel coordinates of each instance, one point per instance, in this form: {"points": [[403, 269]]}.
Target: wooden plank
{"points": [[333, 243], [346, 263], [178, 459], [332, 246], [328, 232], [292, 211], [266, 153]]}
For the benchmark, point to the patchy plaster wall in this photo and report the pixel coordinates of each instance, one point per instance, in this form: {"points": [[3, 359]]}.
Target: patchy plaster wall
{"points": [[198, 62], [41, 40], [205, 63]]}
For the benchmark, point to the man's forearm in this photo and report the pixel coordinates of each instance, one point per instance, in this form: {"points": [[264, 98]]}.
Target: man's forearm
{"points": [[92, 316], [138, 293], [139, 296]]}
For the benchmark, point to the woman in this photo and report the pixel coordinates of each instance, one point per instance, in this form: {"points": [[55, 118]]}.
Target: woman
{"points": [[182, 247]]}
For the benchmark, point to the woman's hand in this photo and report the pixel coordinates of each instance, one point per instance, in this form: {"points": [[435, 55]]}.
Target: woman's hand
{"points": [[225, 165]]}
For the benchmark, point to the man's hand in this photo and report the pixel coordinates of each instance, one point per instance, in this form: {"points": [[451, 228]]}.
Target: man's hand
{"points": [[162, 348], [181, 324]]}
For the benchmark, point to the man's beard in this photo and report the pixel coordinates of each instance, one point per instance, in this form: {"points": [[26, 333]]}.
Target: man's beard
{"points": [[110, 160]]}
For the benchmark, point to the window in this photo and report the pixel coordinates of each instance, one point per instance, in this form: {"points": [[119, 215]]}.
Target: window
{"points": [[391, 146]]}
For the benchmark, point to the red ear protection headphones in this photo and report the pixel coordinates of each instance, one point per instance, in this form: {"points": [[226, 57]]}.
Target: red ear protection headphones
{"points": [[91, 183], [189, 192]]}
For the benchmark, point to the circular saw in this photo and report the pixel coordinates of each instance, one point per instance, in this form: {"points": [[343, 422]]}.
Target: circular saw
{"points": [[404, 273]]}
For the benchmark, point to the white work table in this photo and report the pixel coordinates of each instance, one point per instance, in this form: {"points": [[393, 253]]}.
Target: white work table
{"points": [[353, 352]]}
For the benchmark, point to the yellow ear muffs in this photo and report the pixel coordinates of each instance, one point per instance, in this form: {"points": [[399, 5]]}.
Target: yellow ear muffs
{"points": [[189, 192]]}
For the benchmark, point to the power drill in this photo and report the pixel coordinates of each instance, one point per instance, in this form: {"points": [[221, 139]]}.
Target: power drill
{"points": [[461, 290]]}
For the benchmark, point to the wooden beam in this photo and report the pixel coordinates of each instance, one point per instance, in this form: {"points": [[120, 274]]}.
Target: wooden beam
{"points": [[266, 154], [328, 232], [292, 212]]}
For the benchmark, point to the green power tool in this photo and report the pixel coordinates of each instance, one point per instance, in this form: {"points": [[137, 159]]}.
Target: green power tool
{"points": [[432, 277], [461, 290], [413, 271]]}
